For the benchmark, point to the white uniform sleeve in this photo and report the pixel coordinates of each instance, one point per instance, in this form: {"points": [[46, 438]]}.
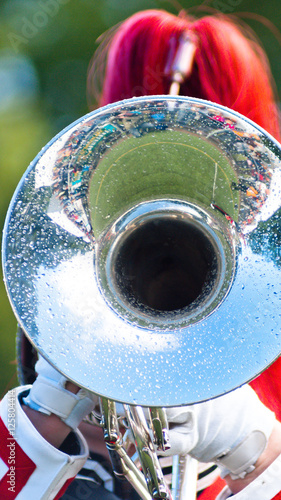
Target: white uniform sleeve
{"points": [[30, 467]]}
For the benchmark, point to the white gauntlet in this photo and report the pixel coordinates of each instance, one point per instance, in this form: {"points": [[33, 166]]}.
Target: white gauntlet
{"points": [[48, 395], [30, 467], [231, 430]]}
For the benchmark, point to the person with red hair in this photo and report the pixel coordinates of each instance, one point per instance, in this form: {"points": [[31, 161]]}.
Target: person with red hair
{"points": [[222, 62], [211, 58]]}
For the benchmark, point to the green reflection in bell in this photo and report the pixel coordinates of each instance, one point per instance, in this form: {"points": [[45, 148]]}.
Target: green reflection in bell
{"points": [[162, 164]]}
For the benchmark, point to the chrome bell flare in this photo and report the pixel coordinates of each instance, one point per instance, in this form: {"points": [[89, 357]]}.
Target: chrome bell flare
{"points": [[140, 251]]}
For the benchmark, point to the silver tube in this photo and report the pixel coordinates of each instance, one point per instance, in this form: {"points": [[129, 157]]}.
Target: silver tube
{"points": [[148, 458]]}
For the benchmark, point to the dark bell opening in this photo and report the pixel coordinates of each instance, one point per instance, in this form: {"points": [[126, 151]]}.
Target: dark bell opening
{"points": [[165, 265]]}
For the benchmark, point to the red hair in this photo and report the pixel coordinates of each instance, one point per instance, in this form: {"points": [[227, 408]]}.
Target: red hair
{"points": [[230, 67]]}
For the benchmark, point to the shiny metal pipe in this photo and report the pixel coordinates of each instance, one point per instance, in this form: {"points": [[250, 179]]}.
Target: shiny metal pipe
{"points": [[122, 465], [147, 454]]}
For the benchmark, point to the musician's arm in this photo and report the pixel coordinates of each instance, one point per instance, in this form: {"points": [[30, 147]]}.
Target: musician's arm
{"points": [[266, 473], [55, 431]]}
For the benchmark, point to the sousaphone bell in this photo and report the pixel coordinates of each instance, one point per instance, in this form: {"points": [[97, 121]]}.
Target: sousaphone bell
{"points": [[141, 251]]}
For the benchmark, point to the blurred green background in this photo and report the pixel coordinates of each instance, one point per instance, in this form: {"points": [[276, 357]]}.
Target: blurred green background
{"points": [[45, 49]]}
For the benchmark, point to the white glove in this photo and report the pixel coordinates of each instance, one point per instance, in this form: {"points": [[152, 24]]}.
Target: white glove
{"points": [[48, 395], [231, 430]]}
